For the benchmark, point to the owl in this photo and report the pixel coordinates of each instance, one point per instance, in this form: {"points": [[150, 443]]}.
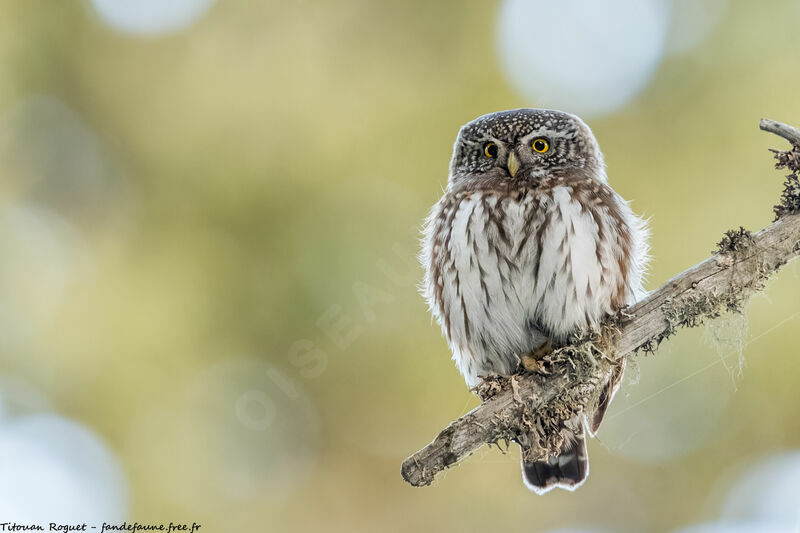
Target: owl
{"points": [[528, 247]]}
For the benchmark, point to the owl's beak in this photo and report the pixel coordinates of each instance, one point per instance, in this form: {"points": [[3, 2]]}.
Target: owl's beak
{"points": [[513, 164]]}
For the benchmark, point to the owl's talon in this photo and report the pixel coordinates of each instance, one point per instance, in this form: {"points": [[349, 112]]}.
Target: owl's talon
{"points": [[532, 362]]}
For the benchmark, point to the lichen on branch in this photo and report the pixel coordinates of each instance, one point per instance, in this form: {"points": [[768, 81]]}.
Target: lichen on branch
{"points": [[790, 197]]}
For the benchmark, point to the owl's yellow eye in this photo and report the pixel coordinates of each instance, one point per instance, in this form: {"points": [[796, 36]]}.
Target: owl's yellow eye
{"points": [[540, 144], [490, 149]]}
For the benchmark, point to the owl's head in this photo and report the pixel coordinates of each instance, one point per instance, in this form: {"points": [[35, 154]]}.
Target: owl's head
{"points": [[524, 146]]}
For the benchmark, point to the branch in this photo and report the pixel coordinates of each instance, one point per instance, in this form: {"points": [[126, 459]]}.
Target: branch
{"points": [[530, 407], [789, 133]]}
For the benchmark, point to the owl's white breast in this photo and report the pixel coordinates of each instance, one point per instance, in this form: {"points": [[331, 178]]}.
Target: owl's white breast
{"points": [[504, 274]]}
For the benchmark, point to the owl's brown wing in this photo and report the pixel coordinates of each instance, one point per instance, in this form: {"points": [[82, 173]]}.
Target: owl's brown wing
{"points": [[606, 396]]}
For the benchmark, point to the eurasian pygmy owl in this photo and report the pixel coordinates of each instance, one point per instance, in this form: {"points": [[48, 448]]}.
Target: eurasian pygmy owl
{"points": [[528, 246]]}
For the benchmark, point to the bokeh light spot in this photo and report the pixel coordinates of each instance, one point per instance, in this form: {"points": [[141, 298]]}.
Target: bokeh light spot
{"points": [[737, 527], [55, 469], [692, 22], [586, 57], [43, 256], [256, 410], [768, 491], [147, 17], [50, 156]]}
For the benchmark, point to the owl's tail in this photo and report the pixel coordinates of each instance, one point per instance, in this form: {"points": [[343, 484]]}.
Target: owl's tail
{"points": [[568, 470]]}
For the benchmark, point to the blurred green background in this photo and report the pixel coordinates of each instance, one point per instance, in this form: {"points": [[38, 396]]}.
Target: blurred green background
{"points": [[207, 260]]}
